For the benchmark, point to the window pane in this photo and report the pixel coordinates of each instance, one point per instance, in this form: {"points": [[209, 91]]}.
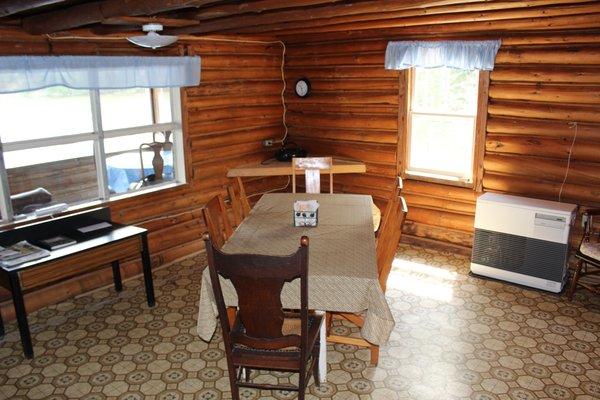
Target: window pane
{"points": [[163, 103], [44, 113], [124, 166], [445, 91], [67, 172], [441, 144], [124, 108]]}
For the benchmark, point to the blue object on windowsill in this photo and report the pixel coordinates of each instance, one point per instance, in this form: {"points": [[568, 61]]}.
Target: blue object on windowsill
{"points": [[124, 169]]}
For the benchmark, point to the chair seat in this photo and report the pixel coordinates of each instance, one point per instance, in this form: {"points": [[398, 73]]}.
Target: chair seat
{"points": [[287, 358], [591, 250]]}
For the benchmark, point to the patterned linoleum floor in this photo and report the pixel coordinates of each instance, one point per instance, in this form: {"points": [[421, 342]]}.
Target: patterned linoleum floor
{"points": [[456, 337]]}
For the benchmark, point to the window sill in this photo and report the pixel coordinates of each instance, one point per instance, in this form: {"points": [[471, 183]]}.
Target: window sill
{"points": [[75, 208], [439, 179]]}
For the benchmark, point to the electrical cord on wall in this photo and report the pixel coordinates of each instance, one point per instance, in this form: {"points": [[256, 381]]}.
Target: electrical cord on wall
{"points": [[573, 124]]}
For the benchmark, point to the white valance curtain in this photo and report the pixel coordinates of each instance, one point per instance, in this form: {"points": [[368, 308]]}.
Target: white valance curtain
{"points": [[460, 54], [24, 73]]}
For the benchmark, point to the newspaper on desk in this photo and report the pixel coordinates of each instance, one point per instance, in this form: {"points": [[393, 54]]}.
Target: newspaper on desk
{"points": [[20, 253]]}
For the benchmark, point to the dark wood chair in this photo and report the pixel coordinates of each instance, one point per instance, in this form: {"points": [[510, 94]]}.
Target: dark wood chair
{"points": [[388, 238], [238, 200], [588, 256], [262, 335], [217, 221]]}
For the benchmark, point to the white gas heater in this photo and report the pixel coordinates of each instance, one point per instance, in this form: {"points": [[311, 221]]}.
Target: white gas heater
{"points": [[522, 240]]}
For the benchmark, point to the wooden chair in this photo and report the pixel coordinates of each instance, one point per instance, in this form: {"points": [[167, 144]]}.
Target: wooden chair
{"points": [[588, 256], [312, 167], [387, 242], [217, 221], [263, 336], [239, 201]]}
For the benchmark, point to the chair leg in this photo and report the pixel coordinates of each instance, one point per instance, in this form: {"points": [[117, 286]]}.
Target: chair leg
{"points": [[328, 321], [235, 390], [374, 354], [315, 371], [574, 280]]}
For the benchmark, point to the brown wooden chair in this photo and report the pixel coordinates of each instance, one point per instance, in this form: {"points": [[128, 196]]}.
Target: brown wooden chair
{"points": [[238, 200], [588, 256], [312, 167], [387, 242], [263, 336], [217, 221]]}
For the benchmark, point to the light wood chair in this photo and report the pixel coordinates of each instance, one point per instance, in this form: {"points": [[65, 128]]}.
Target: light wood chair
{"points": [[387, 243], [312, 167], [588, 256], [217, 221], [263, 336], [238, 200]]}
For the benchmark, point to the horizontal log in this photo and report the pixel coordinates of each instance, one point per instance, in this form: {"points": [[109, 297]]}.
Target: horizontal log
{"points": [[434, 203], [437, 234], [243, 136], [542, 147], [542, 128], [201, 46], [228, 112], [562, 112], [548, 93], [233, 124], [357, 109], [240, 61], [358, 135], [347, 84], [542, 168], [238, 74], [366, 58], [571, 55], [551, 38], [373, 153], [546, 74], [338, 72], [200, 154], [347, 121], [350, 97], [581, 194], [444, 219], [235, 88], [225, 100], [439, 191]]}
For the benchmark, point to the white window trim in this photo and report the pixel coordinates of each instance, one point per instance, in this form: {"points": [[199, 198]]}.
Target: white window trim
{"points": [[98, 136], [432, 175]]}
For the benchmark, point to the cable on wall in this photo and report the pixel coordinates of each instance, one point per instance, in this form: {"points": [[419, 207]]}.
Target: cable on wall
{"points": [[573, 125]]}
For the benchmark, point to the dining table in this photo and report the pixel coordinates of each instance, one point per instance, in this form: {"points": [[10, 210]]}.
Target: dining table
{"points": [[342, 267]]}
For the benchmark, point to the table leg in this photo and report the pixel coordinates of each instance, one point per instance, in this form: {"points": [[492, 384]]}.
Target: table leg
{"points": [[323, 350], [116, 268], [147, 268], [21, 313]]}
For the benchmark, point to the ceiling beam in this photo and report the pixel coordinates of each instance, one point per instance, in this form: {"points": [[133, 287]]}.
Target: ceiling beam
{"points": [[10, 7], [310, 14], [255, 7], [97, 11], [139, 21], [371, 21]]}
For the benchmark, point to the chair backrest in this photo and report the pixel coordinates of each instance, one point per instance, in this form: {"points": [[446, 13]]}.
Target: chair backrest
{"points": [[389, 235], [217, 222], [239, 201], [312, 167], [258, 281]]}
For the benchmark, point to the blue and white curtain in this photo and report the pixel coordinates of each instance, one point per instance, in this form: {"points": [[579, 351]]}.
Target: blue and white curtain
{"points": [[24, 73], [460, 54]]}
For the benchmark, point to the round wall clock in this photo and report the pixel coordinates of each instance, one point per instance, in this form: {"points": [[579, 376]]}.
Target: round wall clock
{"points": [[302, 87]]}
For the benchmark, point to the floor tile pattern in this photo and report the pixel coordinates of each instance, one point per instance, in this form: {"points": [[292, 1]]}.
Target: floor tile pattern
{"points": [[456, 337]]}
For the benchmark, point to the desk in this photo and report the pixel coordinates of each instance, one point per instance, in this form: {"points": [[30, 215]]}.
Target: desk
{"points": [[90, 253], [342, 269], [279, 168]]}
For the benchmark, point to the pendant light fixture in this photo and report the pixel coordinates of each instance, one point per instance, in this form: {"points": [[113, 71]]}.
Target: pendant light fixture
{"points": [[152, 39]]}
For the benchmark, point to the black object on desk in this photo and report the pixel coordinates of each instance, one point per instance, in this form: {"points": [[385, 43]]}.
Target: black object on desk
{"points": [[92, 251]]}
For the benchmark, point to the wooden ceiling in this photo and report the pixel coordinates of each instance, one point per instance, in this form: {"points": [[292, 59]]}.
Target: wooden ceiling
{"points": [[302, 20]]}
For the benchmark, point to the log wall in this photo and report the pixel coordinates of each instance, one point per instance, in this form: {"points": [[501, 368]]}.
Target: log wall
{"points": [[236, 105], [544, 90]]}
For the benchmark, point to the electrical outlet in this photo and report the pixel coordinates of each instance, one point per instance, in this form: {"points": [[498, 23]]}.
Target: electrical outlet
{"points": [[268, 142]]}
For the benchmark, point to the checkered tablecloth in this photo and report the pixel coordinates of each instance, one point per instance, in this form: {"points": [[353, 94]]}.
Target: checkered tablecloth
{"points": [[342, 265]]}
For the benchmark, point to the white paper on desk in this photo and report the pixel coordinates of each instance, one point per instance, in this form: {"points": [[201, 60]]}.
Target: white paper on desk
{"points": [[95, 227], [306, 205]]}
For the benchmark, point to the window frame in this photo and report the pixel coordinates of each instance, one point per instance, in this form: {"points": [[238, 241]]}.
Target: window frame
{"points": [[97, 136], [407, 87]]}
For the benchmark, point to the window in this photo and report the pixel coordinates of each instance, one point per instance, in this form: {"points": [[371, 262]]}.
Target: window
{"points": [[442, 122], [87, 145]]}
